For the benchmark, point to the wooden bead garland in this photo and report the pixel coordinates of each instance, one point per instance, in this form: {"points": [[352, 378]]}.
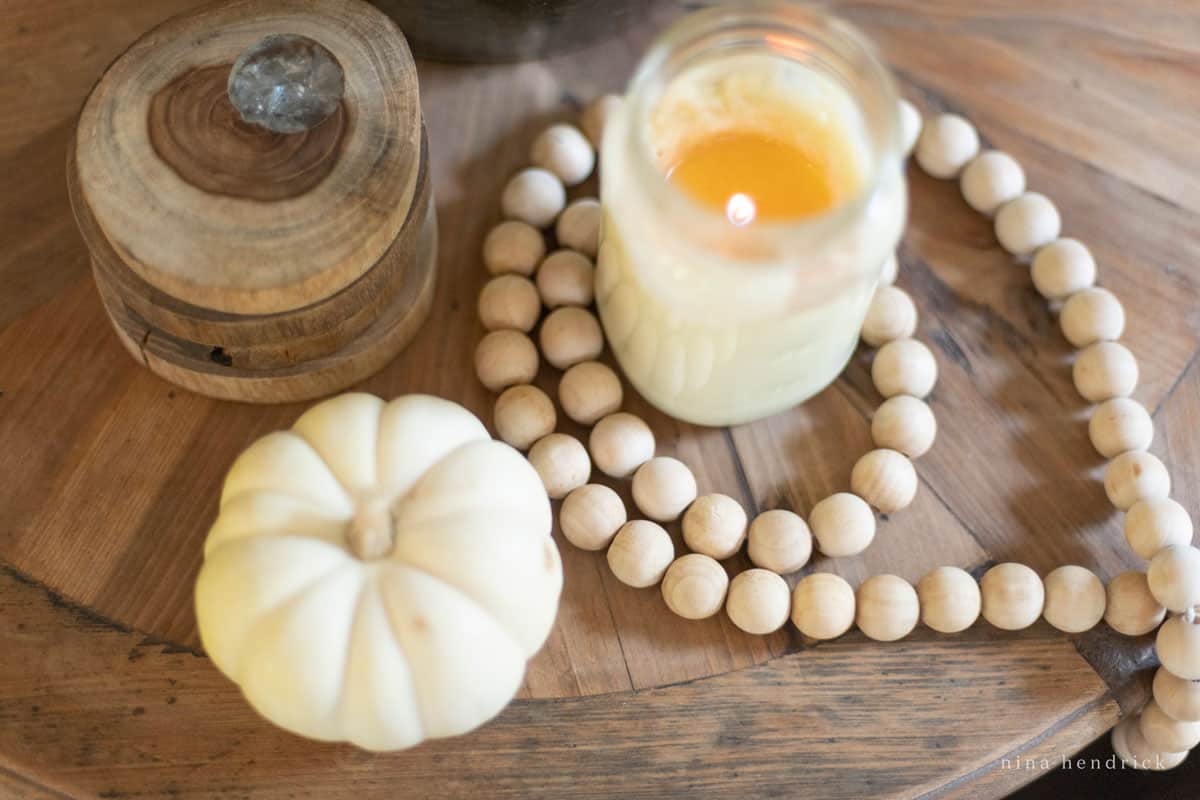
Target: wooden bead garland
{"points": [[565, 279], [759, 601], [1105, 370], [1075, 599], [715, 525], [1062, 268], [505, 358], [891, 315], [1174, 577], [904, 366], [588, 391], [663, 487], [578, 227], [1131, 608], [509, 301], [779, 541], [640, 553], [1136, 752], [1151, 525], [1013, 596], [1133, 476], [886, 608], [1177, 697], [991, 180], [1027, 223], [561, 462], [885, 479], [591, 515], [523, 414], [513, 246], [1164, 733], [694, 586], [620, 443], [534, 196], [1092, 315], [1118, 425], [570, 335], [1178, 645], [823, 606], [950, 599], [843, 524], [946, 144], [562, 150], [904, 424]]}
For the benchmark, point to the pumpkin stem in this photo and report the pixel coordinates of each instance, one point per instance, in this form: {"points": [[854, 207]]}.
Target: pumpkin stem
{"points": [[372, 530]]}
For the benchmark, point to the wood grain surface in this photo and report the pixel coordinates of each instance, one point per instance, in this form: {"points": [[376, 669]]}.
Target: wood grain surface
{"points": [[111, 475]]}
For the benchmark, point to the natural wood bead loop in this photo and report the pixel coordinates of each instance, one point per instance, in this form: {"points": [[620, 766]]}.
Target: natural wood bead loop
{"points": [[823, 606], [640, 553], [1174, 577], [1075, 599], [1179, 698], [620, 443], [759, 601], [1164, 733], [1178, 646], [1062, 268], [1027, 223], [562, 463], [1131, 609], [910, 126], [950, 599], [946, 144], [1120, 424], [578, 226], [524, 414], [1135, 752], [1092, 315], [843, 524], [535, 196], [588, 391], [566, 278], [513, 246], [904, 424], [885, 479], [714, 525], [887, 608], [1133, 476], [591, 516], [694, 586], [570, 335], [892, 315], [505, 358], [663, 487], [1151, 525], [563, 150], [1012, 596], [991, 179], [779, 541], [596, 115], [1105, 370], [889, 270], [509, 301], [904, 366]]}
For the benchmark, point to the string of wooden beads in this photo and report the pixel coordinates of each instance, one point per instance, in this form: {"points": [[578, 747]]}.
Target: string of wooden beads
{"points": [[640, 552]]}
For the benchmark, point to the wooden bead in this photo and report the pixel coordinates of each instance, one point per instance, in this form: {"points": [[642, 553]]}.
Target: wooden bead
{"points": [[1075, 599], [1131, 609], [1062, 268], [991, 180], [887, 608], [513, 246], [640, 553], [1179, 698], [910, 126], [885, 479], [758, 602], [1012, 596], [509, 301], [946, 144], [535, 196], [1027, 223], [620, 443], [892, 315], [591, 516], [588, 391], [1105, 370], [1174, 577], [904, 366], [663, 487], [562, 463], [694, 586], [1092, 315], [1120, 424], [505, 358], [1151, 525], [596, 115], [889, 270], [950, 599], [1133, 476], [1178, 646], [563, 150], [1166, 734], [715, 525], [779, 540], [524, 414], [843, 524], [566, 278], [578, 226], [823, 606], [570, 335], [904, 424], [1135, 752]]}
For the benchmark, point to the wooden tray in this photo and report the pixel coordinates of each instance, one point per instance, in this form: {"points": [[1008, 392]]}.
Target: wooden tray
{"points": [[110, 475]]}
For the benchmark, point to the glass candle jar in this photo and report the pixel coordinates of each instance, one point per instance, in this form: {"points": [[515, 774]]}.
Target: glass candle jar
{"points": [[752, 188]]}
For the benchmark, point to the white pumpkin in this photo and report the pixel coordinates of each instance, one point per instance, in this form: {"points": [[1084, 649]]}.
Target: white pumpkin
{"points": [[380, 573]]}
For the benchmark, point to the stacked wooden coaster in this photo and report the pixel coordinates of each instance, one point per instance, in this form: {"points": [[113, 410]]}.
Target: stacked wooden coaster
{"points": [[242, 263]]}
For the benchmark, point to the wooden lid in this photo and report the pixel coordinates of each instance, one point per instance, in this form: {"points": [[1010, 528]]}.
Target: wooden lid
{"points": [[229, 216]]}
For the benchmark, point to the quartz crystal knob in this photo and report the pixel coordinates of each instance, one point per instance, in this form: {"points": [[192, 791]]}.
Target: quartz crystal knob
{"points": [[286, 83]]}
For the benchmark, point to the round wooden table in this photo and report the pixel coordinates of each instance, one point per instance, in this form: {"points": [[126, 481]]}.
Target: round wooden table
{"points": [[109, 477]]}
